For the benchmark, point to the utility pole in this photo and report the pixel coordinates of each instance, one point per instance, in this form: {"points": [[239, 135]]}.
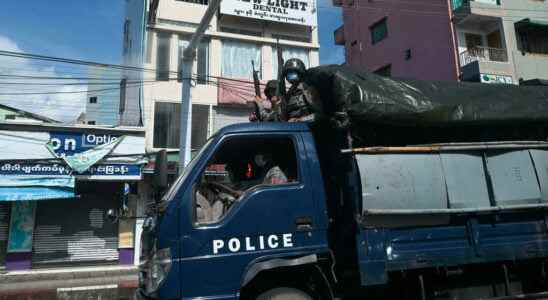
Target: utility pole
{"points": [[186, 78]]}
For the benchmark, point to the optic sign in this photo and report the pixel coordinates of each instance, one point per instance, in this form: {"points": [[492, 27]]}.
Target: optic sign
{"points": [[68, 143], [302, 12]]}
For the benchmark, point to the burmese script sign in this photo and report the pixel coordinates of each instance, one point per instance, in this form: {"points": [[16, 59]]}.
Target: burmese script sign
{"points": [[302, 12]]}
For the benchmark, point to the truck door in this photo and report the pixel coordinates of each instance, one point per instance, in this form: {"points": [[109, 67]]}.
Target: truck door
{"points": [[250, 202]]}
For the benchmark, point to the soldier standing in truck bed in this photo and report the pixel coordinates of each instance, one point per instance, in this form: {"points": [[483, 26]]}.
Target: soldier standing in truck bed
{"points": [[273, 113], [297, 104]]}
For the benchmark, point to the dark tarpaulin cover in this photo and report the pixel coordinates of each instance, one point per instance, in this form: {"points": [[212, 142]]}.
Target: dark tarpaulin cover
{"points": [[376, 99]]}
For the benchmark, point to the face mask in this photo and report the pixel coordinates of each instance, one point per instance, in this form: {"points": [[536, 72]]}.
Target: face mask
{"points": [[292, 77], [259, 160]]}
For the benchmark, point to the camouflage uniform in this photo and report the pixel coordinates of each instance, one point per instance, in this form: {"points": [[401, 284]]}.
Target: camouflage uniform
{"points": [[270, 114], [297, 103], [275, 176]]}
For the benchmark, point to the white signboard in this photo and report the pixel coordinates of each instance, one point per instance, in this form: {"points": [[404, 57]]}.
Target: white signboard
{"points": [[302, 12], [490, 78], [492, 2]]}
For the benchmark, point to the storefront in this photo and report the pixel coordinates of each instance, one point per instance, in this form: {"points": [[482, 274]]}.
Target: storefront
{"points": [[56, 187]]}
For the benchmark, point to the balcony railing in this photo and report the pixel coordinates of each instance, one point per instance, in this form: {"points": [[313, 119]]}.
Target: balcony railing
{"points": [[456, 4], [483, 54]]}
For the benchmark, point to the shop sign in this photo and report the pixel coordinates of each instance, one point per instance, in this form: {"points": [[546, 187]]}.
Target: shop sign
{"points": [[99, 172], [490, 78], [301, 12], [69, 143]]}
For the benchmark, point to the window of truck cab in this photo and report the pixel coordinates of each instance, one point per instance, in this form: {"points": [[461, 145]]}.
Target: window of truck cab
{"points": [[241, 165]]}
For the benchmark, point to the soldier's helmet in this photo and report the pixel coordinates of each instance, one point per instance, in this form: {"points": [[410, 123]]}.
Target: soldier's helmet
{"points": [[270, 88], [294, 70]]}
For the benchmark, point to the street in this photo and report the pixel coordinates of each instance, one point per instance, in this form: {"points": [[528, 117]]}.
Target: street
{"points": [[103, 282]]}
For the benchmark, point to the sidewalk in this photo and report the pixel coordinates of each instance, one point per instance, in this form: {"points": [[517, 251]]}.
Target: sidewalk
{"points": [[104, 282]]}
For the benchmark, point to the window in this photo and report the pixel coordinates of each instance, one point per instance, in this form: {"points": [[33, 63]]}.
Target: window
{"points": [[384, 71], [148, 58], [162, 56], [10, 117], [473, 41], [167, 118], [127, 40], [287, 53], [91, 122], [408, 54], [237, 57], [167, 124], [93, 99], [202, 57], [379, 31], [123, 93], [240, 165], [532, 38]]}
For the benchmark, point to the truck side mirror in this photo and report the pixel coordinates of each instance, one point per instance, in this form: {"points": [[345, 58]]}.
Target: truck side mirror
{"points": [[112, 215], [160, 170]]}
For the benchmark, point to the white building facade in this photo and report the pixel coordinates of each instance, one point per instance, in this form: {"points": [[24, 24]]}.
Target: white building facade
{"points": [[502, 41], [241, 32], [103, 98]]}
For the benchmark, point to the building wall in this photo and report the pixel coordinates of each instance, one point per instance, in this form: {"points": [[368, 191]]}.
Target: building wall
{"points": [[520, 66], [106, 109], [423, 26], [179, 18], [134, 40]]}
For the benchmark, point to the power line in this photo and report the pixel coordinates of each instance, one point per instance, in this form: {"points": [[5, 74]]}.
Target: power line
{"points": [[71, 84], [56, 77], [72, 61], [65, 92]]}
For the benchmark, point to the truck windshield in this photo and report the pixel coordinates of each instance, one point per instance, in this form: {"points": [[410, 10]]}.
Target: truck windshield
{"points": [[175, 186]]}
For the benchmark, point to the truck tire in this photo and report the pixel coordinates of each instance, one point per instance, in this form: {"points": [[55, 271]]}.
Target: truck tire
{"points": [[284, 293]]}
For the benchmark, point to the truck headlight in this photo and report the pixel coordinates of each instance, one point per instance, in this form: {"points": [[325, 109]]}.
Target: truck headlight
{"points": [[159, 268]]}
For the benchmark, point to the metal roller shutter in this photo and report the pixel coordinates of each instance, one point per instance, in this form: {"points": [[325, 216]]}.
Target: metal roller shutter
{"points": [[75, 231], [224, 116], [4, 223]]}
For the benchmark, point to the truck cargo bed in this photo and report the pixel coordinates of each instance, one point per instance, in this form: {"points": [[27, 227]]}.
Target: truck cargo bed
{"points": [[432, 207]]}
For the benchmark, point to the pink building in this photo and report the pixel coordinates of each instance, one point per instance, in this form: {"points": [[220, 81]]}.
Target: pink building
{"points": [[406, 39]]}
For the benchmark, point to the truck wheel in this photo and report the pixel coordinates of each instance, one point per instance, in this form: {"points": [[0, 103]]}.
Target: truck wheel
{"points": [[284, 293]]}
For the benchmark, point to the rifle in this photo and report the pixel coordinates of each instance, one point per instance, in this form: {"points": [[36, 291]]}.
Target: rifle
{"points": [[257, 85], [256, 82], [280, 89]]}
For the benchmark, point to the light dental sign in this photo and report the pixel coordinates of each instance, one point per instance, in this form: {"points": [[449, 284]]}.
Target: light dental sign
{"points": [[302, 12]]}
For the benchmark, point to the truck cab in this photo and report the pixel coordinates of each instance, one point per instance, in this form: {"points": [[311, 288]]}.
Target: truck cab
{"points": [[250, 204]]}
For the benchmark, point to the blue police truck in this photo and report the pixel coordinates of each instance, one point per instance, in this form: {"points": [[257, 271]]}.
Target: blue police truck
{"points": [[289, 211]]}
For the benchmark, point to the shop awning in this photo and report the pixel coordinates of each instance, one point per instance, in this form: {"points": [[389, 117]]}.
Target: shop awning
{"points": [[25, 187], [531, 23]]}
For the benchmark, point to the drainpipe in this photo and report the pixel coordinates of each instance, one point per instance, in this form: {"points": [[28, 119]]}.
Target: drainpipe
{"points": [[454, 40]]}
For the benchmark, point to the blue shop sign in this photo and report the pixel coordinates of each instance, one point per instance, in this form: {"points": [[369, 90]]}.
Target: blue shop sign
{"points": [[100, 171], [69, 143]]}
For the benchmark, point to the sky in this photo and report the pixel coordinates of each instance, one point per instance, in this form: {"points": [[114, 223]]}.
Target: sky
{"points": [[87, 30]]}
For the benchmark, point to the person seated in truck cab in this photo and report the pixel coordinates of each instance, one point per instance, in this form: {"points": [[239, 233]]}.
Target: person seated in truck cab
{"points": [[216, 194], [272, 173], [240, 166]]}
